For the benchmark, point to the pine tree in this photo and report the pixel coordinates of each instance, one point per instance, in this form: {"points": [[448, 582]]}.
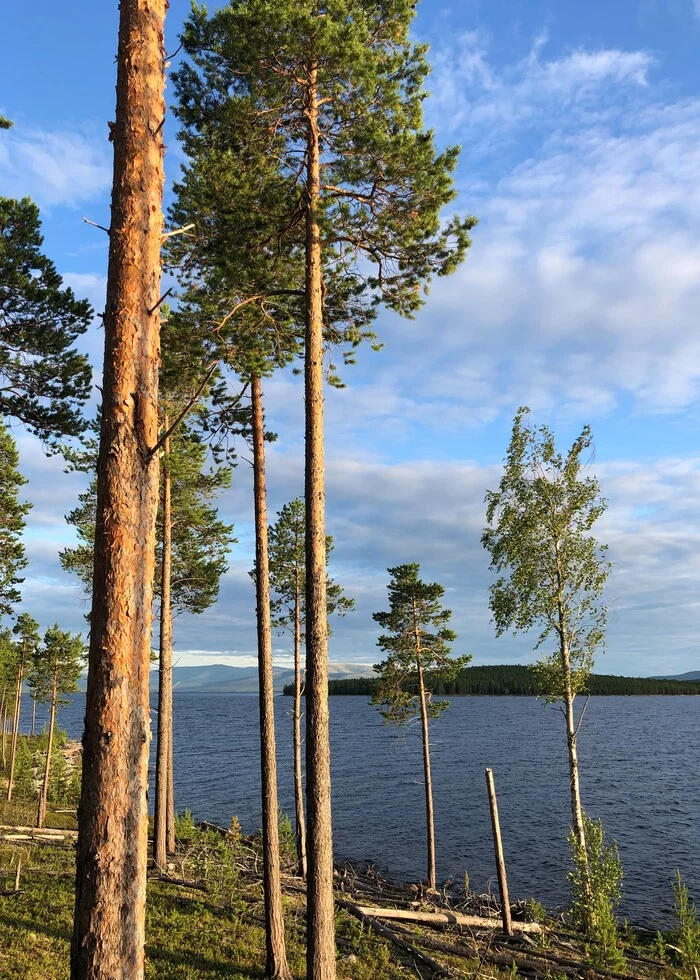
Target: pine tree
{"points": [[333, 92], [44, 381], [191, 548], [109, 923], [241, 304], [27, 632], [551, 569], [58, 663], [418, 647], [12, 515], [288, 588], [8, 667]]}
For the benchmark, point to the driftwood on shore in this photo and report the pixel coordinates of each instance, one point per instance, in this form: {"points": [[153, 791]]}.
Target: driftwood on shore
{"points": [[446, 917], [420, 957], [45, 835]]}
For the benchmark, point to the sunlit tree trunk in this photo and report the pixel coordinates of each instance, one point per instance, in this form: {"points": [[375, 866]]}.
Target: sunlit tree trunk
{"points": [[108, 936], [165, 673], [276, 965], [15, 729], [170, 828], [427, 777], [319, 846], [296, 735], [3, 718], [44, 795]]}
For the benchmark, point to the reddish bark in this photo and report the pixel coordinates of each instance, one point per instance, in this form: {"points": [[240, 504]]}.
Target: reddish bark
{"points": [[276, 964], [165, 675], [320, 957], [108, 937]]}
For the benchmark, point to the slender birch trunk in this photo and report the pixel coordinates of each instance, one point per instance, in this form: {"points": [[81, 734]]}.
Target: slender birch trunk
{"points": [[320, 957], [276, 963], [165, 672], [109, 924], [296, 735], [15, 729], [44, 795]]}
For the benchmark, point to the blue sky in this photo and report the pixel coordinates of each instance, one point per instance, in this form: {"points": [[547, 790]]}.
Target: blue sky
{"points": [[580, 131]]}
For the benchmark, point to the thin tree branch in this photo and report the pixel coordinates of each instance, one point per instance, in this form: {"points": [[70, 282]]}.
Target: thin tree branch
{"points": [[176, 231], [186, 409], [165, 295], [580, 717], [95, 225]]}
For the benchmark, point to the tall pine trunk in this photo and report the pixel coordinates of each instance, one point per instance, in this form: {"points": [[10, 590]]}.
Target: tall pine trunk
{"points": [[429, 811], [165, 673], [44, 795], [15, 729], [108, 935], [3, 717], [427, 776], [320, 956], [276, 964], [296, 735], [170, 826], [33, 714]]}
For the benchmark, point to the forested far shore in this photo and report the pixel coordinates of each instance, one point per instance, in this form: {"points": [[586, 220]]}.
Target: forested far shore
{"points": [[514, 679]]}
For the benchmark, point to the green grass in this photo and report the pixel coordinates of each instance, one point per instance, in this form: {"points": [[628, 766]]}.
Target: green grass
{"points": [[188, 935]]}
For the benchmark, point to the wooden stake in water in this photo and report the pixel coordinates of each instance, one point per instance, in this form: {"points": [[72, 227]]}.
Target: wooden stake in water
{"points": [[498, 850]]}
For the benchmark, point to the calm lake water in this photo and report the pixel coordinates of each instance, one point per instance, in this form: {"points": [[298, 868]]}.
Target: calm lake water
{"points": [[640, 774]]}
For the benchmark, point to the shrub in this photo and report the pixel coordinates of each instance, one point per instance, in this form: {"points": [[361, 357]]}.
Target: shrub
{"points": [[596, 885], [686, 936]]}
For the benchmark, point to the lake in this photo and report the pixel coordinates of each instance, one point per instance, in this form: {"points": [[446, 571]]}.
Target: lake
{"points": [[640, 773]]}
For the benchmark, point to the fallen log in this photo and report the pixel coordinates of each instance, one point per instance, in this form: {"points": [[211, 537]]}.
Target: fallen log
{"points": [[47, 832], [446, 918], [437, 969]]}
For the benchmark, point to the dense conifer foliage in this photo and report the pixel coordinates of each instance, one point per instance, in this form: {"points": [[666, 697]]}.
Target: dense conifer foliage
{"points": [[44, 381]]}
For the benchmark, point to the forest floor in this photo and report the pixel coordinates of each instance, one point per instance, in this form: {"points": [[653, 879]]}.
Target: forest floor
{"points": [[205, 919]]}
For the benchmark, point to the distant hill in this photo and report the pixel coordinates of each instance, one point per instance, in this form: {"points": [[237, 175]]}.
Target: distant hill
{"points": [[517, 679], [226, 679], [691, 675]]}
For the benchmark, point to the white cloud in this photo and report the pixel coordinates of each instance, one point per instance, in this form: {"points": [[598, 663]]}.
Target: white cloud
{"points": [[54, 168], [482, 104]]}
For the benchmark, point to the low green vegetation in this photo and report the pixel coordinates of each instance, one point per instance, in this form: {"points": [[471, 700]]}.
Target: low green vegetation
{"points": [[211, 929], [206, 922], [596, 880], [516, 679]]}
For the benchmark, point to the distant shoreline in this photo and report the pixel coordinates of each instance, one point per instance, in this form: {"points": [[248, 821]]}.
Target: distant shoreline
{"points": [[514, 680]]}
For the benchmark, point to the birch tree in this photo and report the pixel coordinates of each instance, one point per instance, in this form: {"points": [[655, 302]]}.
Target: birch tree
{"points": [[333, 94], [417, 644], [551, 570]]}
